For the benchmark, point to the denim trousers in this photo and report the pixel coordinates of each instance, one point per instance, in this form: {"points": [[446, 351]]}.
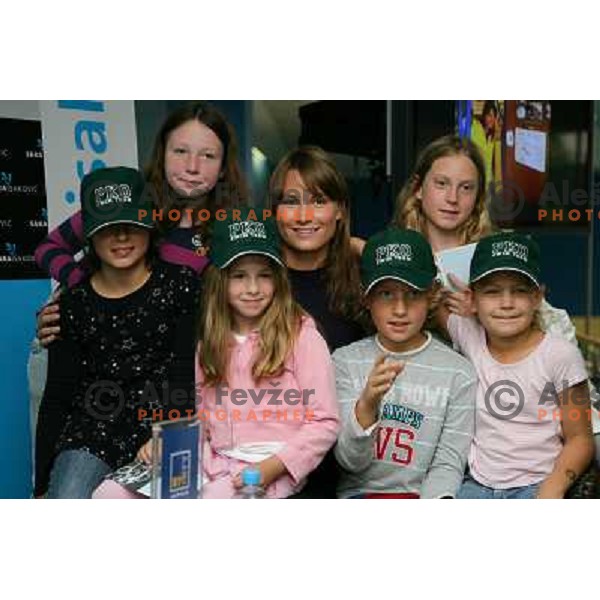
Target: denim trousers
{"points": [[76, 474], [472, 490]]}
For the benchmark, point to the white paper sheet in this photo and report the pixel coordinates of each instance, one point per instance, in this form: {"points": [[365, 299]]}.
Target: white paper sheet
{"points": [[456, 261], [254, 452], [530, 149]]}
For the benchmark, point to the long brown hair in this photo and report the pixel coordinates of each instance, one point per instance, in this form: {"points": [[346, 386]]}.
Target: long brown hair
{"points": [[320, 175], [409, 210], [230, 191], [278, 330]]}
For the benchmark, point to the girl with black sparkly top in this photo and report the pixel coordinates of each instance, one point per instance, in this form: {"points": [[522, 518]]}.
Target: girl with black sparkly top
{"points": [[126, 347]]}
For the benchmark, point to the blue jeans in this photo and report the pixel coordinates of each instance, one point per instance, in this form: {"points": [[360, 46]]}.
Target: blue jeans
{"points": [[76, 474], [472, 490], [37, 368]]}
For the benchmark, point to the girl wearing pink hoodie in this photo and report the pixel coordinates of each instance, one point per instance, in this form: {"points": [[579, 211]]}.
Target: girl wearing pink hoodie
{"points": [[265, 378]]}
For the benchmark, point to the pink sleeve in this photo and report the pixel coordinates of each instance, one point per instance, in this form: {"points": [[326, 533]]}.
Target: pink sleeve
{"points": [[313, 371], [213, 466], [56, 254], [568, 367], [466, 334]]}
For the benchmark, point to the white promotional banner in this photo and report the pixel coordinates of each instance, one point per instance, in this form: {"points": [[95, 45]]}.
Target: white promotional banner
{"points": [[80, 136]]}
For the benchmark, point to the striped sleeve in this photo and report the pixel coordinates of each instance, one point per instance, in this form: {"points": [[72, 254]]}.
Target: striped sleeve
{"points": [[56, 254], [176, 254]]}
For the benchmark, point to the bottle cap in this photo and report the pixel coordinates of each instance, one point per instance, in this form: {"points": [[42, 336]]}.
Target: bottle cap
{"points": [[251, 476]]}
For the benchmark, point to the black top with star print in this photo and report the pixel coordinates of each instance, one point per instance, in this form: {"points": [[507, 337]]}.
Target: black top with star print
{"points": [[119, 363]]}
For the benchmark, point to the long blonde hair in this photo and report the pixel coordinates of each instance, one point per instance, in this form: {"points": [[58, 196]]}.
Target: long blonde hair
{"points": [[320, 175], [278, 331], [409, 210]]}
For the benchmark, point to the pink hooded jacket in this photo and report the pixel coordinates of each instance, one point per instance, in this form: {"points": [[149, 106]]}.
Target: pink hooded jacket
{"points": [[296, 413]]}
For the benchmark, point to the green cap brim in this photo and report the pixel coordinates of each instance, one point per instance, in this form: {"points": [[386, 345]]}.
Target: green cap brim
{"points": [[415, 279], [500, 269], [119, 222], [248, 253]]}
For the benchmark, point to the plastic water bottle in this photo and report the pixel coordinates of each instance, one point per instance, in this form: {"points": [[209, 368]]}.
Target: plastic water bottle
{"points": [[251, 489]]}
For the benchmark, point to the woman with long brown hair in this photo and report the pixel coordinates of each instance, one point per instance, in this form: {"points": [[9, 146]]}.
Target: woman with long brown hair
{"points": [[316, 244], [322, 266]]}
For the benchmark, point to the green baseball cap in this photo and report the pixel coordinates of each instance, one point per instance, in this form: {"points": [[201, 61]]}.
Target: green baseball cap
{"points": [[400, 254], [114, 195], [506, 252], [242, 233]]}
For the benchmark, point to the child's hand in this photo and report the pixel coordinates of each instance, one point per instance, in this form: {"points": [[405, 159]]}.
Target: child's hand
{"points": [[145, 452], [380, 380], [458, 302], [382, 377], [48, 319], [237, 481]]}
